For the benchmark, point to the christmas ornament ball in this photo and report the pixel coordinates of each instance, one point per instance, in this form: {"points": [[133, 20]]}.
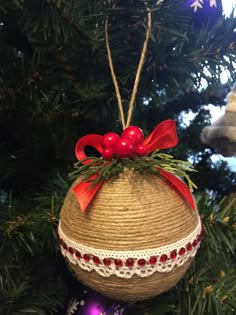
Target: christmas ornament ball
{"points": [[136, 239], [204, 12], [89, 302]]}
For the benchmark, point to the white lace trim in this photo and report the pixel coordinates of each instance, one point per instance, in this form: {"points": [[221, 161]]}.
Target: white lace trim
{"points": [[125, 264]]}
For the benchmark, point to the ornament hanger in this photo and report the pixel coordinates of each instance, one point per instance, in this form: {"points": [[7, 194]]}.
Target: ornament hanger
{"points": [[137, 77]]}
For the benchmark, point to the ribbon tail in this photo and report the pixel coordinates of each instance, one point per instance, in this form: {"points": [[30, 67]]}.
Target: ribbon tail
{"points": [[180, 186], [85, 193], [164, 136]]}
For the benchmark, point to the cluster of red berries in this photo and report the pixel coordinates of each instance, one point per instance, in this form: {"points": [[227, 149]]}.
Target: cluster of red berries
{"points": [[128, 145]]}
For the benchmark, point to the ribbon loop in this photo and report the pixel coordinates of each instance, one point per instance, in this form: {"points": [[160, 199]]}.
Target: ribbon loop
{"points": [[91, 140]]}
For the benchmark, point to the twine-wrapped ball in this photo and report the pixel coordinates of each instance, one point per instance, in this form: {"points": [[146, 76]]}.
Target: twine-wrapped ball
{"points": [[136, 239]]}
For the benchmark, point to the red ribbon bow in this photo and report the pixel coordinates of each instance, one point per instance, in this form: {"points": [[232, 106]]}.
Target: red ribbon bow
{"points": [[164, 136]]}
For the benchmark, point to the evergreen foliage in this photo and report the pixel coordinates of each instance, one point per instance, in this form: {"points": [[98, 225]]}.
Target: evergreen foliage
{"points": [[55, 86]]}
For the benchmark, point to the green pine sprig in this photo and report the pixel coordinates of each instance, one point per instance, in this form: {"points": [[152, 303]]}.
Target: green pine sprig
{"points": [[143, 165]]}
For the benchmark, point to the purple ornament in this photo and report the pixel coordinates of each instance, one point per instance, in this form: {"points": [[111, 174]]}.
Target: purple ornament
{"points": [[204, 11], [202, 4], [92, 303]]}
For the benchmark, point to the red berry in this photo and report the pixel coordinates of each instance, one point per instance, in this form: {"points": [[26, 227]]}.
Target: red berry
{"points": [[141, 150], [124, 148], [109, 139], [107, 153], [133, 133]]}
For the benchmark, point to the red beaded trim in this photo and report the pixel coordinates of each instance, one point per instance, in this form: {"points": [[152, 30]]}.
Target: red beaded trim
{"points": [[130, 262]]}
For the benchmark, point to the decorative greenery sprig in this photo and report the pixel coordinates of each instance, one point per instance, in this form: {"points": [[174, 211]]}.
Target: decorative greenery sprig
{"points": [[144, 165]]}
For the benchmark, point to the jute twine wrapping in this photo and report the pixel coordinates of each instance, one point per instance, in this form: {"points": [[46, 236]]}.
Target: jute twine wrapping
{"points": [[130, 212]]}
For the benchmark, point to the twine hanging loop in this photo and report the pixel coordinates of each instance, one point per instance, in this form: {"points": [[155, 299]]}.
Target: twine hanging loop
{"points": [[137, 76]]}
